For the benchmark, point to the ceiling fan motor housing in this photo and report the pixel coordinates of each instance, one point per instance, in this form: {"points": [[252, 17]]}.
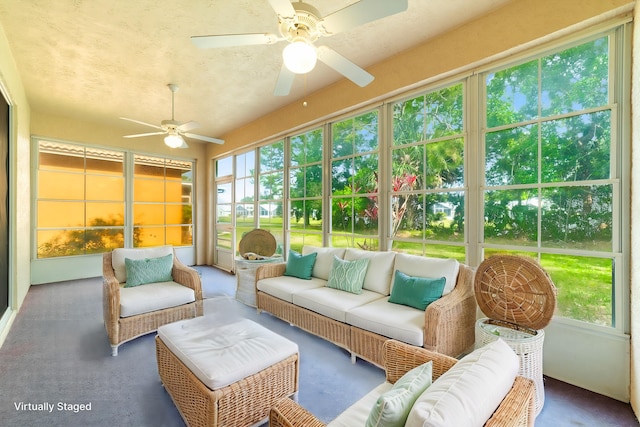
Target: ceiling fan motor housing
{"points": [[303, 25]]}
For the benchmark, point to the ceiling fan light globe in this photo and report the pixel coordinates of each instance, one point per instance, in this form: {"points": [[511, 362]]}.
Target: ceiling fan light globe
{"points": [[299, 57], [173, 140]]}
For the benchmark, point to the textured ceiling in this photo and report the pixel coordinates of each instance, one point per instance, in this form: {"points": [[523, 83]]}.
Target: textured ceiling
{"points": [[99, 60]]}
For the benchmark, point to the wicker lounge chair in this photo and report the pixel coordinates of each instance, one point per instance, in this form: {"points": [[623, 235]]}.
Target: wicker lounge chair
{"points": [[122, 329], [516, 409]]}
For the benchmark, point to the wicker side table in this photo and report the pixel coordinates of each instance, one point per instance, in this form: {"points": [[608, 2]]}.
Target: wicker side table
{"points": [[246, 278], [519, 299]]}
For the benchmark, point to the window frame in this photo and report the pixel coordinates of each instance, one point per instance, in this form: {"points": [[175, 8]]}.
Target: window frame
{"points": [[128, 177]]}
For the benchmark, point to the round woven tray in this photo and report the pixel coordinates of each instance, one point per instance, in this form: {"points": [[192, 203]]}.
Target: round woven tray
{"points": [[260, 242], [515, 289]]}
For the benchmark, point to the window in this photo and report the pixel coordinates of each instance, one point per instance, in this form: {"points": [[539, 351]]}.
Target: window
{"points": [[551, 175], [427, 175], [162, 205], [354, 182], [245, 193], [305, 189], [271, 191], [525, 158], [80, 205], [224, 204]]}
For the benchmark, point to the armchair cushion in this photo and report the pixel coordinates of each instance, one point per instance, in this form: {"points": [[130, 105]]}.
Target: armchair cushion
{"points": [[148, 270], [152, 297], [119, 254], [469, 392]]}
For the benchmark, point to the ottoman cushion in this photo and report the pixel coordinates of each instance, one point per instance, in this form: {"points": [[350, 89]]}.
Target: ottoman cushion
{"points": [[220, 355]]}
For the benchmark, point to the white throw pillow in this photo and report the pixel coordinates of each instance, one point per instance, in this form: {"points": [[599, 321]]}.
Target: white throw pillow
{"points": [[324, 259], [470, 392], [379, 273]]}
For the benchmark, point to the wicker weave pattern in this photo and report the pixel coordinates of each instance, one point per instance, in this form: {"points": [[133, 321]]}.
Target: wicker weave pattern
{"points": [[516, 409], [241, 404], [515, 289], [448, 329], [123, 329], [332, 330], [367, 345]]}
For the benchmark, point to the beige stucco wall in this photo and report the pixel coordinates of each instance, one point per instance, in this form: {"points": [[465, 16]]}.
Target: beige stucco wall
{"points": [[72, 130], [635, 218], [19, 203]]}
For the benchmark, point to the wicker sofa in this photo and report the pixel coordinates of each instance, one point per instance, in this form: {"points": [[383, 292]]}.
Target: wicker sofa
{"points": [[362, 323], [482, 389]]}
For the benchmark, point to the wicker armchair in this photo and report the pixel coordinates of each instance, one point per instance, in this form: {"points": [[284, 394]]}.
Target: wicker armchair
{"points": [[122, 329], [516, 409]]}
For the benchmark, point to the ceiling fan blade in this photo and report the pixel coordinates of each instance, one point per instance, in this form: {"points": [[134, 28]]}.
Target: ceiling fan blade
{"points": [[145, 134], [141, 123], [285, 81], [345, 67], [204, 138], [231, 40], [186, 127], [283, 8], [362, 12]]}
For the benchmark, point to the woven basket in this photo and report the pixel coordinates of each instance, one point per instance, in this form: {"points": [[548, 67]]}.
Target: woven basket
{"points": [[258, 241], [519, 299], [515, 289]]}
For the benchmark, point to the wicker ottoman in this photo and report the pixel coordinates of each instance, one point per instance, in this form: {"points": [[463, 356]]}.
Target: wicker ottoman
{"points": [[225, 375]]}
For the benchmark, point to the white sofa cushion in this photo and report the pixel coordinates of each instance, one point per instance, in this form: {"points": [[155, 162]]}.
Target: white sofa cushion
{"points": [[152, 297], [357, 414], [403, 323], [118, 255], [378, 278], [333, 303], [414, 265], [324, 259], [469, 392], [284, 287], [220, 355]]}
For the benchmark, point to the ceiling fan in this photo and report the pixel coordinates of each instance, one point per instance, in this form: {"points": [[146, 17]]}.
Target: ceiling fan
{"points": [[174, 130], [301, 25]]}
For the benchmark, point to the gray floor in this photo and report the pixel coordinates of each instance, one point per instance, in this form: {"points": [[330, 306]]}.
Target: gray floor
{"points": [[565, 405], [57, 352]]}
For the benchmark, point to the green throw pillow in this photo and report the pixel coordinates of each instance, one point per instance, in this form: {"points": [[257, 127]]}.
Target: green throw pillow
{"points": [[417, 292], [148, 270], [393, 406], [348, 275], [300, 266]]}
